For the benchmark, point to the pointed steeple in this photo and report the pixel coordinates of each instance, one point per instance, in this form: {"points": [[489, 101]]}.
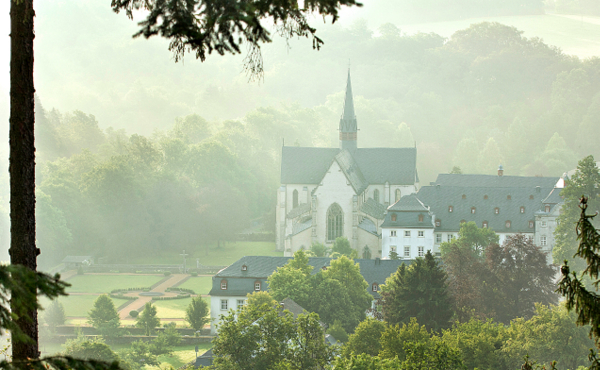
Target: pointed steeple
{"points": [[348, 129]]}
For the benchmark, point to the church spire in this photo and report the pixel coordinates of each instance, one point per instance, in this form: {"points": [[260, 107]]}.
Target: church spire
{"points": [[348, 129]]}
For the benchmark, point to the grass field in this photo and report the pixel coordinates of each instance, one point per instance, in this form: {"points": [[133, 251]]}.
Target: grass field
{"points": [[105, 283], [199, 284], [181, 354], [79, 305], [174, 308], [211, 255]]}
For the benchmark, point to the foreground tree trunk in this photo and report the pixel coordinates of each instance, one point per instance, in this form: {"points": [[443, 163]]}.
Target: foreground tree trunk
{"points": [[22, 163]]}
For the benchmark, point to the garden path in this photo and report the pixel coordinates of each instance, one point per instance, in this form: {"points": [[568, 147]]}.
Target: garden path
{"points": [[141, 301]]}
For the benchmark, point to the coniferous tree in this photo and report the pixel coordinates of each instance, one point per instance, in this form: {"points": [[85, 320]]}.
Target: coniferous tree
{"points": [[586, 180], [419, 290], [103, 315], [584, 301], [147, 319]]}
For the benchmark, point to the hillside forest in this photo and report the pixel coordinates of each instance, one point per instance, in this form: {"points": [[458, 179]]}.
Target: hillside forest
{"points": [[485, 96]]}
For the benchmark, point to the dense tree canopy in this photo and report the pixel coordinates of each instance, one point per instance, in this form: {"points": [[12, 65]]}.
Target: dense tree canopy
{"points": [[418, 291]]}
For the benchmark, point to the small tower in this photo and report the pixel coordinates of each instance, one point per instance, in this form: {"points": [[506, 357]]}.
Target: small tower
{"points": [[348, 130]]}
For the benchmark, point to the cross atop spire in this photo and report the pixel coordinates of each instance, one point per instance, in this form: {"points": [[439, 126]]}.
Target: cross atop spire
{"points": [[348, 128]]}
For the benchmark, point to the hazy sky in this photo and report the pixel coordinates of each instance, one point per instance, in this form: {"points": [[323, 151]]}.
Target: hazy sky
{"points": [[69, 75]]}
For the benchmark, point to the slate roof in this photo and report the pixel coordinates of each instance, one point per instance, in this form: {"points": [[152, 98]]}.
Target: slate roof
{"points": [[439, 198], [348, 120], [493, 181], [408, 203], [352, 171], [299, 210], [554, 197], [373, 209], [302, 165], [408, 220], [368, 225], [259, 268], [302, 225], [205, 359]]}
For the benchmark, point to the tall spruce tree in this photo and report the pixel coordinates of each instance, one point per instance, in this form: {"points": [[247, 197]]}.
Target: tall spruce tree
{"points": [[586, 180], [584, 301], [419, 290]]}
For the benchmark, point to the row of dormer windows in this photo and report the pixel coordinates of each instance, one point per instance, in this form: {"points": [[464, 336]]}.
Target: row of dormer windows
{"points": [[508, 197], [257, 285], [496, 210]]}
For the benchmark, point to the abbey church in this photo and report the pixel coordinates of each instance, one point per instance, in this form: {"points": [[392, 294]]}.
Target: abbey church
{"points": [[326, 193]]}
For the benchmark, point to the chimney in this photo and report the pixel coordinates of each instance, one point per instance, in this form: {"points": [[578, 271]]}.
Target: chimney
{"points": [[500, 170]]}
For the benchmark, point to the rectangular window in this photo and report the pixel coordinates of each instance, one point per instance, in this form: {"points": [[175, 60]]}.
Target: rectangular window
{"points": [[393, 233], [392, 248], [257, 286], [438, 238], [544, 224], [240, 303], [407, 233], [421, 234], [543, 240], [407, 252], [421, 251], [450, 238], [224, 304]]}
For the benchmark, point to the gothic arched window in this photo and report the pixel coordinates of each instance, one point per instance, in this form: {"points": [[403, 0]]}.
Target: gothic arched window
{"points": [[335, 222], [398, 194], [376, 195], [295, 199]]}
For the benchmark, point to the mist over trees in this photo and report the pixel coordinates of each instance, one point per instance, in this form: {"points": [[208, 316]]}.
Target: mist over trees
{"points": [[486, 96]]}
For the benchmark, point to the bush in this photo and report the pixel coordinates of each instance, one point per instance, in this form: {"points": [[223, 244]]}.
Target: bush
{"points": [[134, 313], [194, 274], [167, 273]]}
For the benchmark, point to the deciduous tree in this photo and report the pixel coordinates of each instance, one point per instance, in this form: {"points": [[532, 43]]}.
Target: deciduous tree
{"points": [[366, 338], [196, 314], [521, 278]]}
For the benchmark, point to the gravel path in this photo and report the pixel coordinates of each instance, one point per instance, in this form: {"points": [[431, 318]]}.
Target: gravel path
{"points": [[141, 301]]}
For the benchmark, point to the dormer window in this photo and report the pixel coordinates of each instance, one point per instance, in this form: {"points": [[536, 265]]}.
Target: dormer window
{"points": [[244, 268], [223, 284], [462, 221], [438, 223], [464, 196], [473, 210], [497, 210], [420, 218], [257, 285], [507, 224], [450, 209], [375, 287], [547, 209], [394, 217], [508, 197], [522, 209], [484, 224], [531, 224]]}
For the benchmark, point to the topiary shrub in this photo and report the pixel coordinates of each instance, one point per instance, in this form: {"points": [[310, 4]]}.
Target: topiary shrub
{"points": [[194, 274], [167, 273], [134, 313]]}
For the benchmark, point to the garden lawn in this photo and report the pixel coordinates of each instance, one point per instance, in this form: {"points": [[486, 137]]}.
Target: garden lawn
{"points": [[174, 308], [90, 283], [199, 284], [181, 355], [211, 255], [79, 305]]}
